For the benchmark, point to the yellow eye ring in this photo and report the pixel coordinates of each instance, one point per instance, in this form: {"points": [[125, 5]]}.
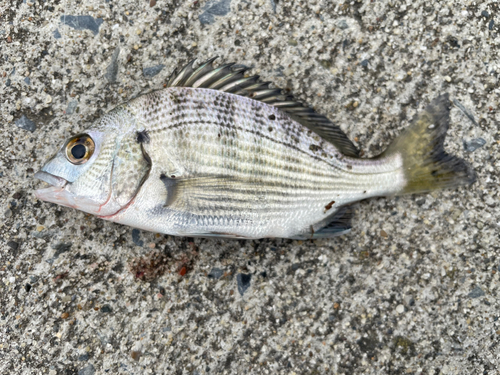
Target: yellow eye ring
{"points": [[79, 149]]}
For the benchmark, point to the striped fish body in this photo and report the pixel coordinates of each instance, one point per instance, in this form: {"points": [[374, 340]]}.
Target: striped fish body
{"points": [[237, 167], [220, 154]]}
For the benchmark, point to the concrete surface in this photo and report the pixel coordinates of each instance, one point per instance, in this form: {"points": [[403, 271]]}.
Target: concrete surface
{"points": [[413, 289]]}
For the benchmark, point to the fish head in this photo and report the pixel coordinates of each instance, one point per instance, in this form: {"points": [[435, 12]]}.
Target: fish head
{"points": [[99, 171]]}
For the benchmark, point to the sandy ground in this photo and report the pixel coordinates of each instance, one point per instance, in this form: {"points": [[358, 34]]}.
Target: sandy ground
{"points": [[413, 289]]}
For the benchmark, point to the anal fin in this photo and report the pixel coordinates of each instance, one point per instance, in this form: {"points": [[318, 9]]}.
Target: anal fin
{"points": [[337, 224]]}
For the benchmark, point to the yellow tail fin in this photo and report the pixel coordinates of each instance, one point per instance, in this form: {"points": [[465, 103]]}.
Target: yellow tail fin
{"points": [[426, 165]]}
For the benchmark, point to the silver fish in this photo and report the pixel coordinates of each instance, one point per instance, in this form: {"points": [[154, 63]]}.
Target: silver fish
{"points": [[219, 154]]}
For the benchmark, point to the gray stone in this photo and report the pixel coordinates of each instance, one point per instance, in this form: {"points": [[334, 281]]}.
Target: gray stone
{"points": [[27, 80], [214, 8], [57, 34], [152, 71], [112, 69], [70, 109], [476, 292], [342, 24], [243, 282], [89, 370], [82, 22], [136, 237], [26, 124], [215, 273], [474, 144]]}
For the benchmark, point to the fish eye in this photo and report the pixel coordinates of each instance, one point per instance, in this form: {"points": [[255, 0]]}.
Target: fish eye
{"points": [[79, 149]]}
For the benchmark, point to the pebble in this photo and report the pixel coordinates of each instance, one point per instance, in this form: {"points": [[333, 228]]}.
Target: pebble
{"points": [[136, 237], [70, 109], [89, 370], [26, 124], [485, 14], [214, 8], [447, 78], [48, 99], [215, 273], [491, 24], [473, 144], [82, 22], [27, 80], [152, 71], [13, 245], [243, 282], [342, 24], [476, 292], [384, 234], [112, 70], [400, 309], [106, 309], [57, 34]]}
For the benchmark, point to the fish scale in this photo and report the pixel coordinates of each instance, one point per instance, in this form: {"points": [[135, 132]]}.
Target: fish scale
{"points": [[220, 154]]}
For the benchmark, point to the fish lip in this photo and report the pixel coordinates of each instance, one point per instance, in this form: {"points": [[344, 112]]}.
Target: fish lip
{"points": [[51, 179], [58, 184]]}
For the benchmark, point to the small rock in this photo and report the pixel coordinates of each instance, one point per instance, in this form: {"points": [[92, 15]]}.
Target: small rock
{"points": [[89, 370], [342, 24], [485, 14], [13, 245], [214, 8], [26, 124], [447, 79], [476, 292], [27, 287], [64, 315], [136, 237], [474, 144], [57, 34], [7, 213], [83, 357], [60, 248], [365, 63], [243, 282], [152, 71], [27, 81], [491, 24], [384, 234], [70, 109], [112, 69], [82, 23], [7, 82], [135, 354], [152, 3], [106, 309], [400, 309], [215, 273]]}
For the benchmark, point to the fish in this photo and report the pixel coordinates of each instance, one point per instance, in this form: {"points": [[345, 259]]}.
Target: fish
{"points": [[220, 153]]}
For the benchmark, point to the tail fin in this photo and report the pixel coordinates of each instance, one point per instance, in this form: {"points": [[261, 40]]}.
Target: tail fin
{"points": [[426, 165]]}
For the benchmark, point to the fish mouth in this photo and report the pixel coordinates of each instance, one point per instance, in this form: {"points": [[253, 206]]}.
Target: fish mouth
{"points": [[51, 193]]}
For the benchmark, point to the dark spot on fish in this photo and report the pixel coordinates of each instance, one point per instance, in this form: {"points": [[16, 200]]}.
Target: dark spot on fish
{"points": [[364, 192], [349, 166], [143, 137], [314, 148], [329, 205], [218, 135], [173, 176], [272, 117], [270, 129], [162, 176]]}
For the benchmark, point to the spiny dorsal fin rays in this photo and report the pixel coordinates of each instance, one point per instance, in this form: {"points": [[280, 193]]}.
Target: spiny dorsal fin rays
{"points": [[231, 79]]}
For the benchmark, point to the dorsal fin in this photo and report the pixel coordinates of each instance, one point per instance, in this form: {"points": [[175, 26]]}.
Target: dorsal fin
{"points": [[230, 78]]}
